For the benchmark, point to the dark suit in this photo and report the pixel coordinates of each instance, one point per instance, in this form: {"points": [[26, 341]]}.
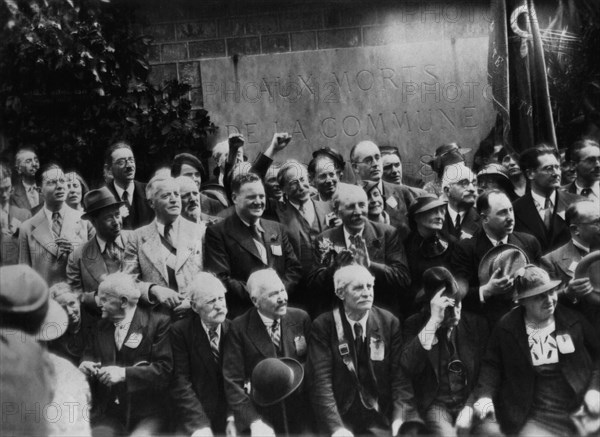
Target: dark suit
{"points": [[210, 206], [247, 344], [508, 377], [333, 389], [144, 392], [72, 344], [464, 263], [10, 237], [471, 222], [232, 255], [422, 366], [397, 199], [388, 266], [197, 390], [140, 213], [19, 196], [527, 219]]}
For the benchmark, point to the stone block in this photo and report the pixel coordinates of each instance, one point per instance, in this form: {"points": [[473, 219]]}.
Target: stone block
{"points": [[339, 38], [174, 52], [154, 53], [303, 41], [197, 30], [161, 32], [275, 43], [261, 24], [212, 48], [189, 73], [290, 21], [231, 27], [162, 72], [243, 46]]}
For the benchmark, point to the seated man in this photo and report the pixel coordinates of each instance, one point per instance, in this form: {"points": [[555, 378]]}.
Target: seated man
{"points": [[268, 330], [129, 361], [442, 351], [197, 341], [357, 385]]}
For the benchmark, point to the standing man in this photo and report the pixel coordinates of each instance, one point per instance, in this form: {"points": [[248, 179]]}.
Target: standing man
{"points": [[357, 385], [11, 217], [47, 239], [102, 255], [166, 254], [325, 170], [376, 246], [191, 203], [244, 242], [541, 211], [585, 155], [458, 183], [268, 330], [129, 361], [197, 342], [393, 171], [498, 222], [26, 192], [119, 164]]}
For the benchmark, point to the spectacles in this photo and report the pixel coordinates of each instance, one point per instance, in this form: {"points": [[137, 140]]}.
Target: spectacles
{"points": [[550, 169], [369, 160], [465, 183], [122, 162], [591, 160]]}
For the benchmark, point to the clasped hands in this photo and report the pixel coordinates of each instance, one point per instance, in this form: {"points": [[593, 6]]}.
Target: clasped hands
{"points": [[108, 375]]}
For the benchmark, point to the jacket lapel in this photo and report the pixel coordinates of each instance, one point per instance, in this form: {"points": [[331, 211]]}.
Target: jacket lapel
{"points": [[531, 218], [43, 234], [257, 332], [241, 234], [138, 322], [287, 337], [202, 344], [106, 343], [152, 248], [189, 240], [569, 256], [93, 260], [517, 330], [373, 243]]}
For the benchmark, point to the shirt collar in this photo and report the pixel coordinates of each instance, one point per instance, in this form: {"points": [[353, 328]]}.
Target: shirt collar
{"points": [[49, 213], [161, 227], [206, 329], [102, 243], [363, 323], [541, 200], [26, 185], [307, 204], [454, 213], [268, 322], [595, 188], [348, 234], [126, 321], [258, 225], [120, 191], [581, 247], [494, 241]]}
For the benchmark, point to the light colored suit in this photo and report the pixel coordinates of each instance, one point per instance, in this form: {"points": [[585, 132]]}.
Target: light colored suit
{"points": [[38, 249], [9, 244], [561, 262], [144, 255]]}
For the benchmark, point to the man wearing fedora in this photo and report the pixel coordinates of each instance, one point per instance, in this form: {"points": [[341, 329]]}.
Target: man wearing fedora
{"points": [[357, 385], [104, 253], [376, 246], [541, 365], [459, 186], [197, 391], [128, 362], [270, 329], [443, 346], [497, 218]]}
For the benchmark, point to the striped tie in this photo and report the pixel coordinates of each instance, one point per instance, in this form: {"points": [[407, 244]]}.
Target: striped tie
{"points": [[275, 334], [56, 224], [214, 343]]}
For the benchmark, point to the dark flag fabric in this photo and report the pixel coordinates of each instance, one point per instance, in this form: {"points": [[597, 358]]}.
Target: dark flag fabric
{"points": [[517, 75]]}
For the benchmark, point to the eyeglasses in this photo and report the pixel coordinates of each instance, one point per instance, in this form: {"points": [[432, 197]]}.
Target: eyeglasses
{"points": [[122, 162], [550, 169], [591, 160], [464, 183], [369, 160]]}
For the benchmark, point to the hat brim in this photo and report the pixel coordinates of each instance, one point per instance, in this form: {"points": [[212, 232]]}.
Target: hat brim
{"points": [[484, 273], [584, 270], [464, 150], [55, 323], [432, 205], [298, 372], [86, 215], [537, 290]]}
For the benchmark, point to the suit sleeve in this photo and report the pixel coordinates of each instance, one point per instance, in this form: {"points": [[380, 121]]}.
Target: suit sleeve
{"points": [[189, 410], [157, 375], [491, 369], [131, 265], [293, 268], [319, 282], [235, 377], [395, 272], [24, 254], [74, 278], [464, 269]]}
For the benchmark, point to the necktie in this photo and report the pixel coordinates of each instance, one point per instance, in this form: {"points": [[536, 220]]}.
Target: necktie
{"points": [[548, 213], [56, 223], [34, 196], [125, 198], [256, 234], [500, 243], [586, 192], [120, 333], [168, 234], [356, 240], [457, 225], [275, 335], [113, 251], [358, 340], [214, 343]]}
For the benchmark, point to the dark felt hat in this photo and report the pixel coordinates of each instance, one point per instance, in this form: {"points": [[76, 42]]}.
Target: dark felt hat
{"points": [[424, 203], [369, 185], [531, 281], [445, 155], [589, 267], [95, 200], [274, 379], [507, 257], [332, 153]]}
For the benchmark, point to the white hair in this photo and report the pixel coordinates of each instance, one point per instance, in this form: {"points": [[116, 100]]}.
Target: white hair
{"points": [[202, 286], [455, 173], [344, 276], [151, 187], [121, 285], [344, 191], [259, 280], [220, 152]]}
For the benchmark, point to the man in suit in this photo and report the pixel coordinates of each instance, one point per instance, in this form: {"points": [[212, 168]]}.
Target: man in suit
{"points": [[166, 254], [11, 217], [191, 203], [128, 361], [325, 170], [367, 165], [541, 211], [270, 329], [357, 385], [585, 156], [102, 255], [47, 239], [26, 190], [458, 184], [374, 245], [442, 350], [393, 172], [303, 217], [197, 390], [119, 164], [493, 299], [244, 242]]}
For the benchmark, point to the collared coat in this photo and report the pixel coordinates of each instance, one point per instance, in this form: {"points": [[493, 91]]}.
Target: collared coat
{"points": [[140, 213], [10, 243]]}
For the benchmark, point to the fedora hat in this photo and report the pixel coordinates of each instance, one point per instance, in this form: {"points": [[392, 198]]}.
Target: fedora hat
{"points": [[95, 200], [424, 203], [507, 257], [274, 379], [532, 280], [589, 267], [25, 304], [445, 155]]}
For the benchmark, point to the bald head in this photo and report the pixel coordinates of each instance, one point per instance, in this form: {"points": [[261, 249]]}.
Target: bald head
{"points": [[366, 161]]}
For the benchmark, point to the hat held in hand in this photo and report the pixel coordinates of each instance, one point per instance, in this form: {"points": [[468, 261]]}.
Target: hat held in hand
{"points": [[274, 379]]}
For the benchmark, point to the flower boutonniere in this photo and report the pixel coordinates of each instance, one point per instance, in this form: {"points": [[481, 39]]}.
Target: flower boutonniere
{"points": [[274, 237], [377, 243], [327, 250]]}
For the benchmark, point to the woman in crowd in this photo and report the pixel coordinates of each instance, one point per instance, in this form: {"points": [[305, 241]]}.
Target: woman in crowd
{"points": [[510, 161], [76, 189], [376, 213], [493, 176]]}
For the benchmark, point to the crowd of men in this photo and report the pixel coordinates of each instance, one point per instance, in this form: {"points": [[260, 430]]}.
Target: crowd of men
{"points": [[276, 298]]}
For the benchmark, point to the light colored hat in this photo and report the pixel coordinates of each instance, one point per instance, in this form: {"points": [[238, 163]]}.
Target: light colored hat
{"points": [[531, 281], [455, 173]]}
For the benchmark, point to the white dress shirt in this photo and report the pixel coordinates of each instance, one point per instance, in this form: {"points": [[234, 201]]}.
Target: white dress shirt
{"points": [[540, 202]]}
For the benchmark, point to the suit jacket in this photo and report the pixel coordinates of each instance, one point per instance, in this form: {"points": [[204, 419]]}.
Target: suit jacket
{"points": [[422, 366], [464, 263], [38, 250], [527, 219], [397, 199], [561, 262], [508, 377], [332, 387], [140, 213], [197, 389], [388, 266], [144, 392], [86, 267], [210, 206], [232, 255], [10, 240], [247, 344], [19, 196], [469, 225], [144, 256]]}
